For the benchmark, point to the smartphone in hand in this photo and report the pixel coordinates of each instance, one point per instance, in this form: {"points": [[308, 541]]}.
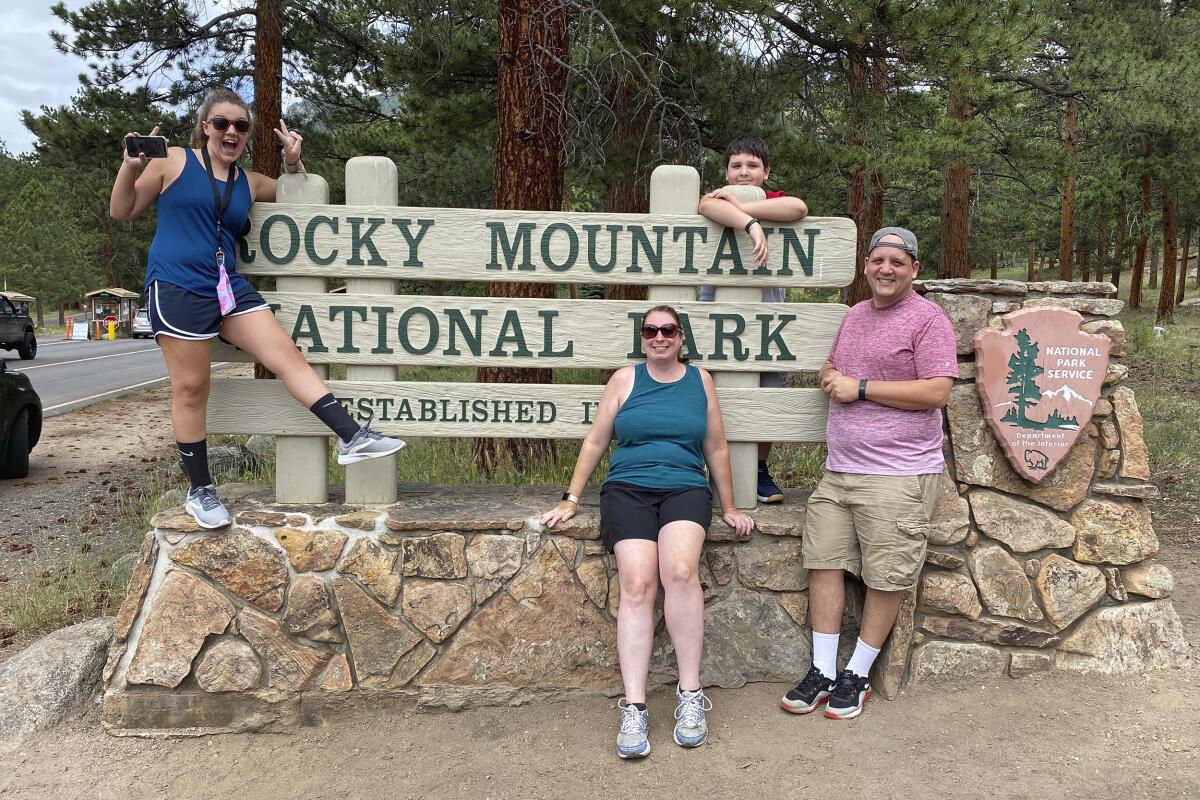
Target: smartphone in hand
{"points": [[148, 146]]}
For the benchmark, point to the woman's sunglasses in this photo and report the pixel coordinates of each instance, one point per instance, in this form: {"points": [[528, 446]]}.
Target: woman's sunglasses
{"points": [[222, 124], [669, 331]]}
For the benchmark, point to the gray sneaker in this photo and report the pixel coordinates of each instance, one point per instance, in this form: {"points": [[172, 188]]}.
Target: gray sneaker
{"points": [[367, 444], [632, 739], [205, 507], [692, 729]]}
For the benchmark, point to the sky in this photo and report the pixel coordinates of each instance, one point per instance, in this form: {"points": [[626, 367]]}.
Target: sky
{"points": [[32, 72]]}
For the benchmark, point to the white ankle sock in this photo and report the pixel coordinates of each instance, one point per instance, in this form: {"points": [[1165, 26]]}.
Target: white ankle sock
{"points": [[863, 658], [825, 647]]}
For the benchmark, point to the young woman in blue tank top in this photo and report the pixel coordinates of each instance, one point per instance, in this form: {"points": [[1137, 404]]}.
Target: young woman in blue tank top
{"points": [[194, 292], [655, 508]]}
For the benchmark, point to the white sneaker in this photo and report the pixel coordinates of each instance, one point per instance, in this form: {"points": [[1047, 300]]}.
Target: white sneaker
{"points": [[633, 736], [206, 508], [692, 728], [367, 444]]}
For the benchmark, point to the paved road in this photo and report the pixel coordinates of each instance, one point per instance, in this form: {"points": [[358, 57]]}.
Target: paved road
{"points": [[71, 375]]}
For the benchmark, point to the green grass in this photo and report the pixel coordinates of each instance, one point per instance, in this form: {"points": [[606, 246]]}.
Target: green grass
{"points": [[1164, 370]]}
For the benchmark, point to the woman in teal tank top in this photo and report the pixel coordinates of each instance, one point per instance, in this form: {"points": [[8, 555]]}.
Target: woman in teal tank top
{"points": [[655, 508]]}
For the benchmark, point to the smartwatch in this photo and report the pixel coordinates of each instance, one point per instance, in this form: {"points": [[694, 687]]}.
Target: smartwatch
{"points": [[568, 496], [862, 389], [752, 221]]}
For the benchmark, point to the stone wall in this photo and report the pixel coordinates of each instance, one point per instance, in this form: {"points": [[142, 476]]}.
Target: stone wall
{"points": [[1058, 575], [458, 596], [453, 596]]}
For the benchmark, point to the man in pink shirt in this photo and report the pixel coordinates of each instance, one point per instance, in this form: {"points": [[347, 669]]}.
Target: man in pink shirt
{"points": [[888, 376]]}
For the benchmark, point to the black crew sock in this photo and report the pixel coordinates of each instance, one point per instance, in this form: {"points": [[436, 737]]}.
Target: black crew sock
{"points": [[639, 706], [338, 419], [195, 462]]}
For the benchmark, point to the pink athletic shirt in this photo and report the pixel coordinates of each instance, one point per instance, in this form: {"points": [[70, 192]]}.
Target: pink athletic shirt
{"points": [[910, 340]]}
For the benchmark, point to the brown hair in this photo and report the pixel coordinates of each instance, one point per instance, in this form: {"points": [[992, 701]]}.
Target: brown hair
{"points": [[218, 95], [678, 322]]}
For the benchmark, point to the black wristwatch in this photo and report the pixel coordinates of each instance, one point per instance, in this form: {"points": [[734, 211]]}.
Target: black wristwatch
{"points": [[862, 389], [752, 221], [568, 496]]}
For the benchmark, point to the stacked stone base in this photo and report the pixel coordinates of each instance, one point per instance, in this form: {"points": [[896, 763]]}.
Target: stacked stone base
{"points": [[457, 596]]}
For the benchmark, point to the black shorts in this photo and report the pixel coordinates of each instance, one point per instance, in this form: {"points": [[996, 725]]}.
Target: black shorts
{"points": [[174, 311], [635, 512]]}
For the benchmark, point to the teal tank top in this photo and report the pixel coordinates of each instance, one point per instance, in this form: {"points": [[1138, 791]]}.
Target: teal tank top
{"points": [[660, 433]]}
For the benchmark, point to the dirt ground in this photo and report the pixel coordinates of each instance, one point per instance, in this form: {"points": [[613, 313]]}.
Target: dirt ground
{"points": [[1051, 735], [1043, 736], [83, 463]]}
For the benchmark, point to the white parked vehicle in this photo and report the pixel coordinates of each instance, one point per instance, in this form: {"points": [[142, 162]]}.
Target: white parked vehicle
{"points": [[141, 325]]}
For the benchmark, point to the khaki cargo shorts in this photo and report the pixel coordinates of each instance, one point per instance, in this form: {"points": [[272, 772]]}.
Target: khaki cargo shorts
{"points": [[874, 526]]}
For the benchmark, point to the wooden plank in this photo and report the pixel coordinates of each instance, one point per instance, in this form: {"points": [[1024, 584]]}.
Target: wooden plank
{"points": [[463, 244], [374, 180], [301, 462], [407, 408], [480, 331]]}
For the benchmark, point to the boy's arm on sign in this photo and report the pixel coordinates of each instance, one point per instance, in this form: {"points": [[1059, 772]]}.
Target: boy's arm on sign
{"points": [[724, 210], [777, 209]]}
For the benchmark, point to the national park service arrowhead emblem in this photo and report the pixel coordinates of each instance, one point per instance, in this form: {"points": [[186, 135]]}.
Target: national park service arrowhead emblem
{"points": [[1039, 380]]}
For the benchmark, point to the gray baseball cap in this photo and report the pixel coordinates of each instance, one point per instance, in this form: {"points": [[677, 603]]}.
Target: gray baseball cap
{"points": [[908, 237]]}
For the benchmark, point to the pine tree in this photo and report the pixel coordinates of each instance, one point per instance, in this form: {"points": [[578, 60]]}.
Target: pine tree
{"points": [[1023, 371]]}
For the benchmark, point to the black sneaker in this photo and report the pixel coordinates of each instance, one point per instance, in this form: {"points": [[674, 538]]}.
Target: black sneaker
{"points": [[768, 490], [812, 691], [850, 691]]}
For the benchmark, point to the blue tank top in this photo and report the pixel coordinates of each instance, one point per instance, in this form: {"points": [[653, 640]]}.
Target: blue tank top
{"points": [[185, 242], [660, 433]]}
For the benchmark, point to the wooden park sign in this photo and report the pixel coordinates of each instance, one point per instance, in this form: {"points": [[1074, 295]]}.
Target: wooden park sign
{"points": [[539, 246], [1039, 380], [371, 244]]}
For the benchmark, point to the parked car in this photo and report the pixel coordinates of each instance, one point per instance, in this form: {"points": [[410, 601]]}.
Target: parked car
{"points": [[141, 325], [20, 422], [16, 330]]}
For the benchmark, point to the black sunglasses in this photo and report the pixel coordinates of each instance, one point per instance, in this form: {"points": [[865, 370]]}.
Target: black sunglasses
{"points": [[222, 124], [669, 331]]}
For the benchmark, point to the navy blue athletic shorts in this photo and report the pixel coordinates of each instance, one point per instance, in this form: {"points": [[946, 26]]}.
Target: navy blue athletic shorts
{"points": [[174, 311], [635, 512]]}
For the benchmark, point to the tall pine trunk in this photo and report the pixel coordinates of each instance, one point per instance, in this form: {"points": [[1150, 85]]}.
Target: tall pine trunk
{"points": [[1166, 295], [1031, 265], [1153, 264], [626, 171], [1101, 249], [531, 84], [1183, 264], [1119, 241], [1084, 273], [864, 191], [1139, 257], [268, 86], [268, 100], [1066, 227], [954, 260]]}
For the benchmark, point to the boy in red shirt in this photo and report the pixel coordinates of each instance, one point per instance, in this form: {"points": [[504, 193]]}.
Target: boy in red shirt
{"points": [[747, 164]]}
